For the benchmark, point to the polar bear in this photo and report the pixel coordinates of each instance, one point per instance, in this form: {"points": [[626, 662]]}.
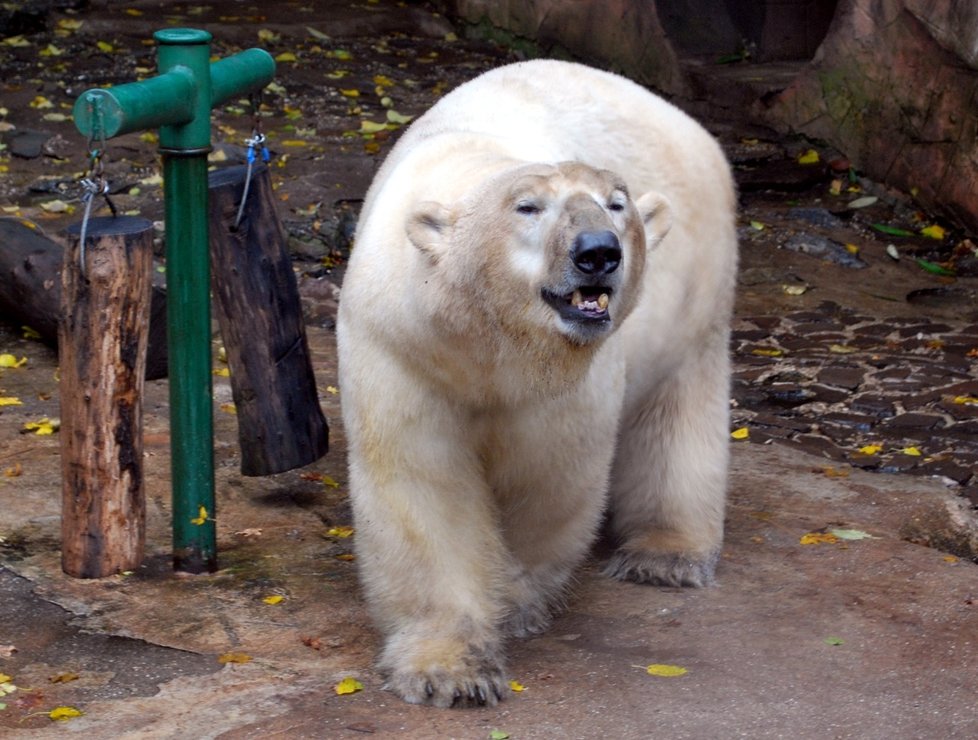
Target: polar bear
{"points": [[532, 336]]}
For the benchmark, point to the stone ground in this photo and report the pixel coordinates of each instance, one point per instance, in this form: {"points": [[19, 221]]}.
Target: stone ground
{"points": [[849, 363]]}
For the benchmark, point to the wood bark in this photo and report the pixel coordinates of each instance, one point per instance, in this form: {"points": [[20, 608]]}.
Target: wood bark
{"points": [[280, 423], [30, 289], [102, 354]]}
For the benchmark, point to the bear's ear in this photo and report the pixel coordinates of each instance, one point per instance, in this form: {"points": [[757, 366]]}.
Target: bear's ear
{"points": [[428, 226], [656, 213]]}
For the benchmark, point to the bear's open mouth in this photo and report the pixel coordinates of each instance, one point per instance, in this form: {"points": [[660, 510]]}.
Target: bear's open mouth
{"points": [[586, 303]]}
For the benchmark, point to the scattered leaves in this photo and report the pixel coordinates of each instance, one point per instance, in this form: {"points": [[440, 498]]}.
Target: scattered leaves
{"points": [[852, 534], [498, 735], [767, 352], [830, 472], [516, 686], [12, 361], [818, 538], [63, 714], [348, 685], [273, 599], [870, 449], [864, 202], [10, 401], [891, 231], [201, 517], [42, 427], [343, 532], [63, 677], [834, 641], [933, 268], [665, 671], [965, 400], [933, 232], [912, 451], [226, 658], [808, 157], [794, 289], [14, 471], [741, 433], [842, 349]]}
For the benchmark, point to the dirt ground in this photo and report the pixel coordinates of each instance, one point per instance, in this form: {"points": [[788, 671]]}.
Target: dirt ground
{"points": [[871, 637]]}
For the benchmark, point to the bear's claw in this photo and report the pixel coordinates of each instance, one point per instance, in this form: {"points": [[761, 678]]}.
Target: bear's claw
{"points": [[663, 569]]}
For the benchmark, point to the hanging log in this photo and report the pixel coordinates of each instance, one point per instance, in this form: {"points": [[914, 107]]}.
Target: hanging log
{"points": [[30, 289], [280, 423], [102, 355]]}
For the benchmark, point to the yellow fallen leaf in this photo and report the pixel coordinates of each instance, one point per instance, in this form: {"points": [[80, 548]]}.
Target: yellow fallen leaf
{"points": [[767, 352], [666, 671], [757, 226], [516, 686], [329, 481], [14, 471], [966, 400], [229, 408], [56, 206], [842, 349], [70, 24], [274, 599], [4, 678], [10, 401], [221, 371], [742, 433], [30, 333], [347, 557], [818, 538], [17, 40], [852, 249], [63, 714], [794, 289], [394, 117], [105, 46], [348, 685], [50, 51], [295, 142], [912, 451], [201, 516], [933, 232], [350, 93], [42, 427], [369, 127], [332, 389], [383, 81], [870, 449], [63, 678], [267, 35], [226, 658], [808, 157], [831, 472], [285, 56], [342, 531], [950, 559]]}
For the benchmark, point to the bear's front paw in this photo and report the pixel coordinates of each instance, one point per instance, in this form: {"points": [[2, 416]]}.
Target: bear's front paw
{"points": [[663, 569], [445, 675]]}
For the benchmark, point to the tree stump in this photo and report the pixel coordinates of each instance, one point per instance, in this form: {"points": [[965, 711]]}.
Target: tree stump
{"points": [[102, 353], [280, 423], [30, 289]]}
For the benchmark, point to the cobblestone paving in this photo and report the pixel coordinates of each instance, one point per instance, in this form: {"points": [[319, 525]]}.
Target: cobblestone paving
{"points": [[895, 395]]}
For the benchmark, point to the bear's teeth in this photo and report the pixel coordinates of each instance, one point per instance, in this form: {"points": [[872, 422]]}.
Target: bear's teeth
{"points": [[577, 298], [603, 301]]}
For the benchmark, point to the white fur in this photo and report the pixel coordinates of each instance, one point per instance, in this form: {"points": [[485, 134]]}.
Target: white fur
{"points": [[485, 439]]}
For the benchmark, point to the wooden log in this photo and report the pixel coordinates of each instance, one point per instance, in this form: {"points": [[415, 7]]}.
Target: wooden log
{"points": [[30, 289], [102, 354], [280, 423]]}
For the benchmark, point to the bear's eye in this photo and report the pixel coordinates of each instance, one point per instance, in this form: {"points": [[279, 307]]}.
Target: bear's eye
{"points": [[528, 208], [616, 205]]}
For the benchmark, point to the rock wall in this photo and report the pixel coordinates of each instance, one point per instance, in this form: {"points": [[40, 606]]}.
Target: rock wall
{"points": [[622, 35], [893, 86]]}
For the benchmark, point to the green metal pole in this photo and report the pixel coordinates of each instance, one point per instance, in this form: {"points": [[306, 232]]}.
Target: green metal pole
{"points": [[179, 101], [185, 148]]}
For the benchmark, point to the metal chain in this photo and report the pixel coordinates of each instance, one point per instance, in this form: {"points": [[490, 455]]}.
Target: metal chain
{"points": [[93, 183], [257, 141]]}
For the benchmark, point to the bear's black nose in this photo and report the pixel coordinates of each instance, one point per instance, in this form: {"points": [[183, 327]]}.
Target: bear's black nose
{"points": [[596, 252]]}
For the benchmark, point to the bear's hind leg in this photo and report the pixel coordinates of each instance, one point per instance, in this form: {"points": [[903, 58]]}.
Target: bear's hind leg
{"points": [[669, 477]]}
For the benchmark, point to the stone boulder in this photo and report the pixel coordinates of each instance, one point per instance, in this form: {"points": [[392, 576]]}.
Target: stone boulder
{"points": [[893, 86], [620, 35]]}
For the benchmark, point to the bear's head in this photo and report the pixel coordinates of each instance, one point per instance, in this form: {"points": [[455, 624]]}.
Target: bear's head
{"points": [[543, 249]]}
